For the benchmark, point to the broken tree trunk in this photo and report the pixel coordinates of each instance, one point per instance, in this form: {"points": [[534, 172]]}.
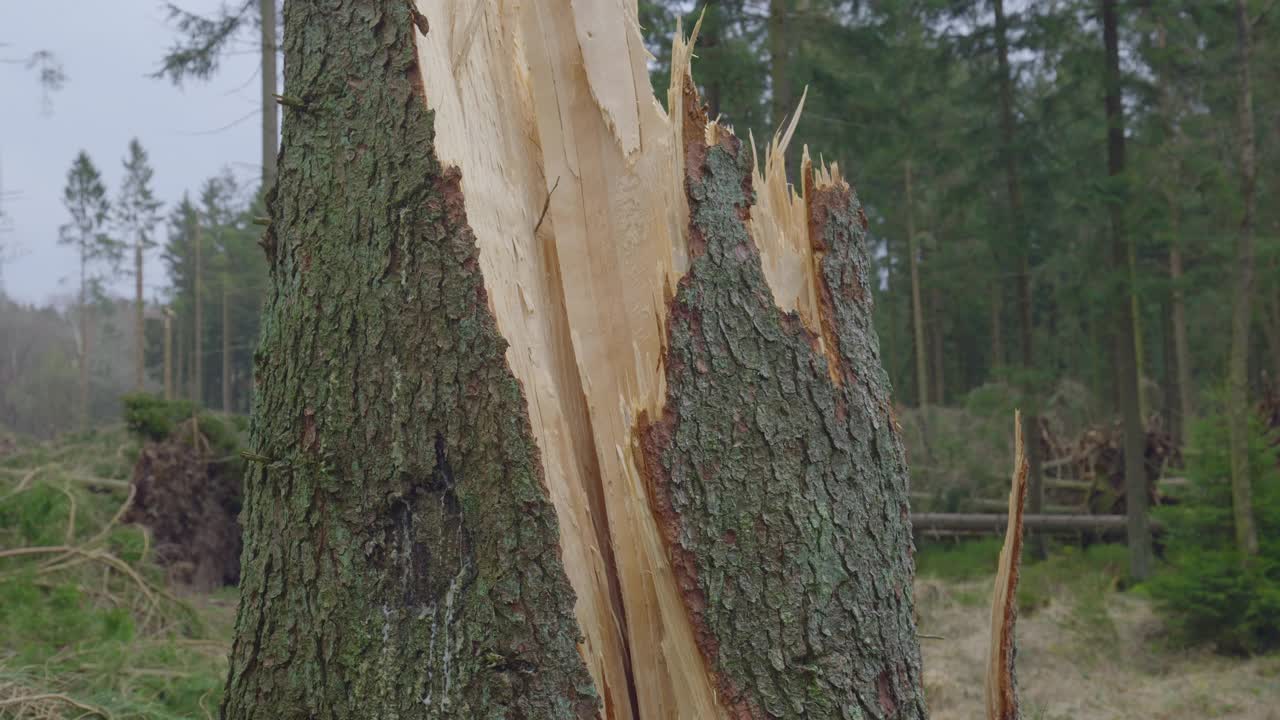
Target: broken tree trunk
{"points": [[567, 408]]}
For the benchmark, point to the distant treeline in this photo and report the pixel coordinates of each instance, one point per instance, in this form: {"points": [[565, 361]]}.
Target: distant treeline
{"points": [[209, 301]]}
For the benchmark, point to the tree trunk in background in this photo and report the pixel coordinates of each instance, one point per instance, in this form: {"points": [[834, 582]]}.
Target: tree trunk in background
{"points": [[1271, 328], [402, 555], [84, 341], [779, 65], [197, 360], [1238, 406], [182, 380], [1177, 310], [1170, 415], [226, 348], [710, 38], [140, 328], [1126, 369], [1022, 245], [997, 323], [168, 354], [1139, 344], [270, 127], [917, 309], [1181, 346], [939, 364]]}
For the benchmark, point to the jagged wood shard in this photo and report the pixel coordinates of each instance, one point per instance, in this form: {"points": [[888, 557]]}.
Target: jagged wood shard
{"points": [[1001, 689], [594, 346]]}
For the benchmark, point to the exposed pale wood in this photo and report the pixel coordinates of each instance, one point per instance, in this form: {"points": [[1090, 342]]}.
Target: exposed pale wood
{"points": [[484, 119], [525, 97], [535, 97]]}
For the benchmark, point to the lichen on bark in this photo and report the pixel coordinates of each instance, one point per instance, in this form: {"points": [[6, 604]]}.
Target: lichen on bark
{"points": [[401, 557], [781, 481]]}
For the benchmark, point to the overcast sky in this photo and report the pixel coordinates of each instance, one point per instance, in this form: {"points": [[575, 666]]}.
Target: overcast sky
{"points": [[108, 50]]}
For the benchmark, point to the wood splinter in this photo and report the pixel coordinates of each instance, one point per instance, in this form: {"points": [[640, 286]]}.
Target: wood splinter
{"points": [[290, 101], [1001, 685]]}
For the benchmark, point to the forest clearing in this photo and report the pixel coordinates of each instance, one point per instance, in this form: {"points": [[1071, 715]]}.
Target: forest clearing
{"points": [[641, 360]]}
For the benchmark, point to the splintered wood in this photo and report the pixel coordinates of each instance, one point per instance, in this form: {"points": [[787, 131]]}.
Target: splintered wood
{"points": [[1001, 685], [574, 183]]}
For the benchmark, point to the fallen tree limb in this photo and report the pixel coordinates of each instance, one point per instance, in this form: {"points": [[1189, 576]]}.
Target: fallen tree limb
{"points": [[996, 522]]}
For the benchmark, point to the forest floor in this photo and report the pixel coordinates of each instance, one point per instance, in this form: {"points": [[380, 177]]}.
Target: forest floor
{"points": [[1085, 649], [89, 624]]}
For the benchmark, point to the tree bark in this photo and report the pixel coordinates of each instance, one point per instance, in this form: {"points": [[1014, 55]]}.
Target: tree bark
{"points": [[741, 376], [917, 309], [407, 550], [1238, 405], [270, 126], [1126, 370], [401, 558]]}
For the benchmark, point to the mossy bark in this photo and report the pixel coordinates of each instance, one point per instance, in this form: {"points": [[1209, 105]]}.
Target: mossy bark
{"points": [[778, 471], [401, 557]]}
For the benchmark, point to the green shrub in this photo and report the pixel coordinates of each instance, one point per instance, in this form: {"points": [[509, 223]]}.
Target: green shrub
{"points": [[36, 516], [1085, 575], [965, 560], [1208, 593], [154, 418]]}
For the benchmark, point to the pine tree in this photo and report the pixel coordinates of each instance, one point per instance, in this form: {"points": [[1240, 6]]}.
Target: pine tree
{"points": [[1126, 367], [137, 212], [85, 198], [1239, 405]]}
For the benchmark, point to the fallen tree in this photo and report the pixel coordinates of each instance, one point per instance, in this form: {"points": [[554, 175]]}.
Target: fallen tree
{"points": [[997, 522], [188, 498], [568, 407]]}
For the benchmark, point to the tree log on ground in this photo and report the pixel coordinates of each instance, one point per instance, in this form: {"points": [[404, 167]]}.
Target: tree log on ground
{"points": [[568, 407]]}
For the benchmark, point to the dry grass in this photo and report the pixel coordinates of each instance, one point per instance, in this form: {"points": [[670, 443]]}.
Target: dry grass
{"points": [[1101, 657]]}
